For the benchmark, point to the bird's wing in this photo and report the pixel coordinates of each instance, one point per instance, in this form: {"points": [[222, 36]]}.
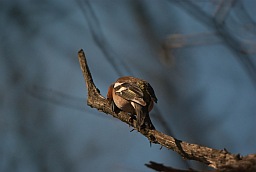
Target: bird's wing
{"points": [[151, 92], [131, 92]]}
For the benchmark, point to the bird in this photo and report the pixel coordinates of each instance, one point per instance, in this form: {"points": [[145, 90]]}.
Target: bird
{"points": [[133, 95]]}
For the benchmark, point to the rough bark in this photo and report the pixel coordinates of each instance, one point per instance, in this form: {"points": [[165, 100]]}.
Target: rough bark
{"points": [[221, 160]]}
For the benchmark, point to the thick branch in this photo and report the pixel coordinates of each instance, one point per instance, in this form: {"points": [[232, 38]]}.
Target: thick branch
{"points": [[220, 159]]}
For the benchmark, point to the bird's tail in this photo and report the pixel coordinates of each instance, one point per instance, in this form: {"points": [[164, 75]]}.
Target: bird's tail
{"points": [[140, 115]]}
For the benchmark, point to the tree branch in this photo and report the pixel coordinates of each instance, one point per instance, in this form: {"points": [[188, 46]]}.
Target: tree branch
{"points": [[219, 159]]}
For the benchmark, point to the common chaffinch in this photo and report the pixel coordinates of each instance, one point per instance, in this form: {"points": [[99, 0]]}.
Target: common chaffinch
{"points": [[132, 95]]}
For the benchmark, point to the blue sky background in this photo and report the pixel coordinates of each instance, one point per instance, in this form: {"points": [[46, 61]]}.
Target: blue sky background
{"points": [[206, 91]]}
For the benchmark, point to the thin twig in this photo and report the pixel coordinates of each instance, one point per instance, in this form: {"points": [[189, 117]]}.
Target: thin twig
{"points": [[230, 40]]}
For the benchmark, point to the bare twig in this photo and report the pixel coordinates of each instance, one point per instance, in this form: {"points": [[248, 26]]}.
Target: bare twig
{"points": [[223, 10], [56, 97], [187, 40], [163, 168], [220, 159], [224, 33], [99, 38]]}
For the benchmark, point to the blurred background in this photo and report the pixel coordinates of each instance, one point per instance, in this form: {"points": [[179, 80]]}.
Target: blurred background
{"points": [[199, 56]]}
